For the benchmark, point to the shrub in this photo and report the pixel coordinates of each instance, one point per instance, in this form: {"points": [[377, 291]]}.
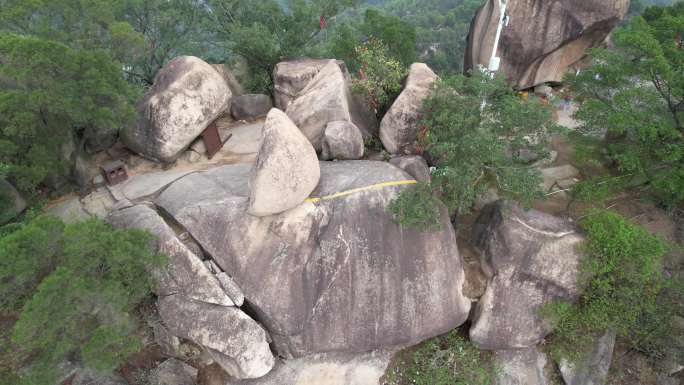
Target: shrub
{"points": [[623, 290], [76, 288], [475, 130], [446, 360]]}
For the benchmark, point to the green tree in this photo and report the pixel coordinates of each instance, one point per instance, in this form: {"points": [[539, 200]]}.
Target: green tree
{"points": [[623, 290], [265, 32], [397, 35], [479, 131], [76, 288], [635, 95], [51, 96]]}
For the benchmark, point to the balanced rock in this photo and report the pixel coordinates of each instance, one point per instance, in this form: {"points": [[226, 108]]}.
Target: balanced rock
{"points": [[330, 275], [235, 341], [12, 204], [414, 165], [188, 95], [521, 367], [400, 126], [250, 106], [532, 258], [286, 170], [342, 141], [185, 272], [540, 40], [291, 77]]}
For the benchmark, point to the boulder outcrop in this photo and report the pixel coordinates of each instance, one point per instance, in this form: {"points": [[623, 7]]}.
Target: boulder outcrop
{"points": [[286, 170], [291, 77], [593, 366], [521, 367], [185, 272], [342, 141], [540, 39], [188, 94], [400, 126], [234, 341], [12, 202], [334, 274], [250, 106], [532, 258], [414, 165]]}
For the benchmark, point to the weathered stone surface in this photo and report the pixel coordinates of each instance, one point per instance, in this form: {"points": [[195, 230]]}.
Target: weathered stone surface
{"points": [[69, 211], [327, 369], [232, 289], [291, 77], [399, 128], [99, 203], [542, 39], [286, 170], [185, 272], [343, 141], [235, 87], [531, 258], [236, 341], [414, 165], [12, 202], [593, 367], [144, 185], [337, 275], [250, 106], [169, 345], [173, 372], [89, 377], [188, 94], [557, 175], [325, 99], [521, 367]]}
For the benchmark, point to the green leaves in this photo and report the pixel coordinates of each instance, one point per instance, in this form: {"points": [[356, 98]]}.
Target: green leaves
{"points": [[77, 288], [476, 129]]}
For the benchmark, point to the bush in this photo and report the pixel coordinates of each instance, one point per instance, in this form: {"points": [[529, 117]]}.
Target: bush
{"points": [[475, 129], [76, 288], [623, 290], [446, 360]]}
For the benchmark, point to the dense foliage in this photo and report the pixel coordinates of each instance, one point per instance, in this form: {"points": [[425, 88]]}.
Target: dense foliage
{"points": [[75, 289], [480, 134], [623, 290], [446, 360], [634, 96]]}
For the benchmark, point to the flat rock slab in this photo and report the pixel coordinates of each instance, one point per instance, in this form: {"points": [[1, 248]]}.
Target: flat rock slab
{"points": [[245, 139], [144, 185], [331, 274], [327, 369]]}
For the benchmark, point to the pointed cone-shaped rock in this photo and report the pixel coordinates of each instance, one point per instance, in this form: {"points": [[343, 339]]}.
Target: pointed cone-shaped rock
{"points": [[400, 126], [286, 170]]}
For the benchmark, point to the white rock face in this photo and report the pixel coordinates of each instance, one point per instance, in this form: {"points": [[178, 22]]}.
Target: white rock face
{"points": [[188, 94], [521, 367], [400, 126], [291, 77], [342, 141], [234, 340], [286, 170], [325, 99]]}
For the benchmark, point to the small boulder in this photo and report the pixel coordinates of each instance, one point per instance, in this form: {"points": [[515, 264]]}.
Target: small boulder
{"points": [[250, 106], [400, 126], [559, 175], [532, 258], [286, 170], [593, 366], [342, 141], [235, 341], [173, 372], [11, 202], [188, 95], [521, 367], [414, 165]]}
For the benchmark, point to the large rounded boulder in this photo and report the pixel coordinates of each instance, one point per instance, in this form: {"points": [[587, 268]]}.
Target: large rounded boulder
{"points": [[187, 96], [335, 273], [540, 40]]}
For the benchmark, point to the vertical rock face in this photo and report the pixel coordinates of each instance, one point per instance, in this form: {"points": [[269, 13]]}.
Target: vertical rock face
{"points": [[400, 126], [543, 38], [593, 366], [291, 77], [188, 94], [286, 170], [521, 367], [334, 275], [532, 258]]}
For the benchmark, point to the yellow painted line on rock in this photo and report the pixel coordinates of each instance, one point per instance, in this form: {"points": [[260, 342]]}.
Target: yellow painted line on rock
{"points": [[361, 189]]}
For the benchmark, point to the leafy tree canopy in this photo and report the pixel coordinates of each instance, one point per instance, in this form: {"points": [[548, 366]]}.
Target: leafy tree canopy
{"points": [[635, 96], [76, 288]]}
